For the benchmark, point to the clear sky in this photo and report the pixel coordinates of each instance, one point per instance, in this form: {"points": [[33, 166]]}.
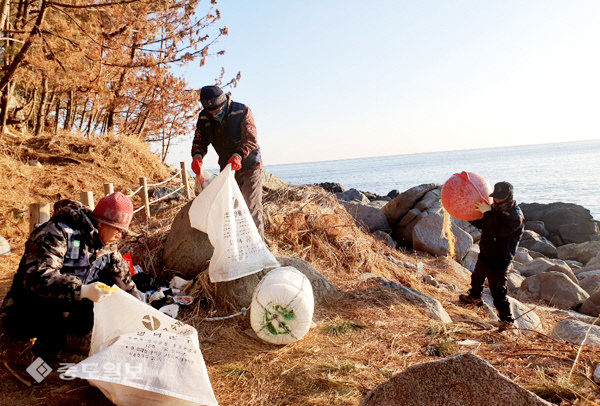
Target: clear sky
{"points": [[340, 79]]}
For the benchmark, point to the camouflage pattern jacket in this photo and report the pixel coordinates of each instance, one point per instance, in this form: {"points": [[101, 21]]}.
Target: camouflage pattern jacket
{"points": [[63, 254]]}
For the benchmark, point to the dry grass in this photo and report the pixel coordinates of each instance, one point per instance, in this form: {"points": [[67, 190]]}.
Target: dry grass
{"points": [[309, 223], [362, 338]]}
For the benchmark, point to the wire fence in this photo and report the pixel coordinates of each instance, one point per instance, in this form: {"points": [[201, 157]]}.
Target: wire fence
{"points": [[40, 212]]}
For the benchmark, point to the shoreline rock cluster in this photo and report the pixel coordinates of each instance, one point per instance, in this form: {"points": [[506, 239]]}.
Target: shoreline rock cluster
{"points": [[557, 263]]}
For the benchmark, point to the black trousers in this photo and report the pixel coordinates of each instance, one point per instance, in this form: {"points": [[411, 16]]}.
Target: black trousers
{"points": [[50, 322], [496, 276]]}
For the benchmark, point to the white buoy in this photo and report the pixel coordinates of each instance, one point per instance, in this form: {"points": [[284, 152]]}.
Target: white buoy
{"points": [[282, 306]]}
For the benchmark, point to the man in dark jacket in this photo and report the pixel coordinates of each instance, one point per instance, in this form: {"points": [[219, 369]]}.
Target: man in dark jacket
{"points": [[501, 229], [229, 127], [67, 266]]}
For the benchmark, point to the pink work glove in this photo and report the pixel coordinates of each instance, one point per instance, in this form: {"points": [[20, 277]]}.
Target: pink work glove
{"points": [[236, 162], [197, 168]]}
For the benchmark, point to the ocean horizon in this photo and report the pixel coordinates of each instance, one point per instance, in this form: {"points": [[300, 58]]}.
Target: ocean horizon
{"points": [[543, 173]]}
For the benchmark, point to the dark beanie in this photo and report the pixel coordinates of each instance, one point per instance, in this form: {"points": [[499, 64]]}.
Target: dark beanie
{"points": [[212, 97]]}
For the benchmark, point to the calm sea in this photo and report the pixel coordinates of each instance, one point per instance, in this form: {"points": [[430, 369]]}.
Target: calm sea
{"points": [[566, 172]]}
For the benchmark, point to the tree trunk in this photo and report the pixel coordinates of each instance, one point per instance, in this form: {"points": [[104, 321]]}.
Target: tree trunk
{"points": [[57, 116], [39, 119], [12, 68], [71, 109], [4, 101], [4, 13]]}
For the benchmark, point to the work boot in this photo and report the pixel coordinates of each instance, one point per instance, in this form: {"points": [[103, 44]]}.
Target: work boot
{"points": [[470, 300], [506, 325]]}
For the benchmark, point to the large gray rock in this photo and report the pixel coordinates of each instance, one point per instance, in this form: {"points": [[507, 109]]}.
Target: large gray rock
{"points": [[555, 288], [162, 191], [561, 266], [272, 182], [332, 187], [525, 316], [592, 265], [4, 246], [397, 208], [404, 228], [186, 249], [514, 281], [534, 242], [432, 306], [368, 217], [460, 380], [385, 237], [430, 201], [522, 256], [591, 306], [238, 293], [574, 331], [538, 226], [427, 236], [353, 195], [570, 222], [470, 259], [589, 281], [582, 252], [534, 267]]}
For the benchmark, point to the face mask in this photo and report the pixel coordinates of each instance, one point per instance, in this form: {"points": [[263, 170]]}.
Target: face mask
{"points": [[220, 115]]}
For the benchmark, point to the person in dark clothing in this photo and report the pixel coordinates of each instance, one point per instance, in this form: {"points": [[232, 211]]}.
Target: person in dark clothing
{"points": [[501, 229], [229, 127], [67, 264]]}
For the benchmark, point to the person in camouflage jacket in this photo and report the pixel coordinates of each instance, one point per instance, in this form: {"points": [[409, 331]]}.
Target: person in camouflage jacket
{"points": [[63, 262]]}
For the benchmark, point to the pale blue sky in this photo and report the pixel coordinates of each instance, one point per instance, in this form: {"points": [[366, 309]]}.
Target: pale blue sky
{"points": [[348, 79]]}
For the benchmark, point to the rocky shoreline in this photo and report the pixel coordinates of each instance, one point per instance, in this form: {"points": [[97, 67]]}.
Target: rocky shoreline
{"points": [[558, 259]]}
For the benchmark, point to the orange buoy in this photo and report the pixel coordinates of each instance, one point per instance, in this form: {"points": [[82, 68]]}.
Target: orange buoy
{"points": [[462, 191]]}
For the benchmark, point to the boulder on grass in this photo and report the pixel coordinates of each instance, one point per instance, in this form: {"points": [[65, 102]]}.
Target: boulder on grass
{"points": [[238, 293], [460, 380], [353, 195], [272, 182], [589, 281], [555, 288], [574, 331], [427, 236], [397, 208], [591, 306], [525, 317], [537, 226], [535, 242], [583, 252], [186, 249], [368, 217]]}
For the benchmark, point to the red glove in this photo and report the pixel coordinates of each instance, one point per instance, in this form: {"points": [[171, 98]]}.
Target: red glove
{"points": [[197, 166], [236, 162]]}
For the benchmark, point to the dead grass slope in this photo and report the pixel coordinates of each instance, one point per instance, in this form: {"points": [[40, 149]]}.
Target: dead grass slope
{"points": [[361, 338], [70, 164]]}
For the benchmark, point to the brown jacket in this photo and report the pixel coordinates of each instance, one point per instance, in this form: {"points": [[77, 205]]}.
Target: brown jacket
{"points": [[234, 134]]}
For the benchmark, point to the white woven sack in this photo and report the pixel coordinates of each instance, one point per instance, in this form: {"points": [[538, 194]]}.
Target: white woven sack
{"points": [[282, 306], [221, 212], [140, 356]]}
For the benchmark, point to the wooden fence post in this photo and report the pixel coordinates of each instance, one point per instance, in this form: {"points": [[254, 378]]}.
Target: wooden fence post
{"points": [[185, 181], [38, 213], [109, 188], [87, 198], [145, 199]]}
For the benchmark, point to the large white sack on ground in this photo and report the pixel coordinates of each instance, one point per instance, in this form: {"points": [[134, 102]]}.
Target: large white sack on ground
{"points": [[140, 356], [221, 212], [282, 306]]}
